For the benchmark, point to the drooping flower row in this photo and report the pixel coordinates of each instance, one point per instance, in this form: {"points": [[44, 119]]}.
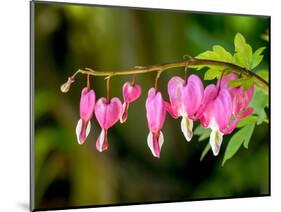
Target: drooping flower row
{"points": [[217, 107]]}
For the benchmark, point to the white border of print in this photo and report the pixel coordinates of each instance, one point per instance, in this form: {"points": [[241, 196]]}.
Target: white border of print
{"points": [[14, 107]]}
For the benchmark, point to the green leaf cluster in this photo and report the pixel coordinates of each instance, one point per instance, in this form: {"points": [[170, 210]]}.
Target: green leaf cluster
{"points": [[243, 56]]}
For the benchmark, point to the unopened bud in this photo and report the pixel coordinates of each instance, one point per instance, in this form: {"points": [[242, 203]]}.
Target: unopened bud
{"points": [[66, 86]]}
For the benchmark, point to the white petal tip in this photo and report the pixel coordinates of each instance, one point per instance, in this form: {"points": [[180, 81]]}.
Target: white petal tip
{"points": [[82, 132], [101, 143], [155, 144], [186, 128], [216, 141]]}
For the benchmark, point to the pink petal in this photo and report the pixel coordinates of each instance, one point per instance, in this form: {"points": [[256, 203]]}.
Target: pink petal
{"points": [[232, 126], [155, 110], [223, 83], [155, 141], [210, 93], [174, 90], [170, 110], [87, 104], [241, 99], [114, 110], [206, 116], [124, 114], [246, 113], [102, 142], [222, 108], [100, 111], [108, 113], [131, 92], [192, 95]]}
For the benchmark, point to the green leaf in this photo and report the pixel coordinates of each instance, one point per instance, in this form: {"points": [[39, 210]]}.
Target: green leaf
{"points": [[257, 57], [240, 137], [247, 121], [218, 53], [212, 74], [205, 151], [259, 103], [244, 82], [202, 132], [247, 139], [263, 74], [244, 52]]}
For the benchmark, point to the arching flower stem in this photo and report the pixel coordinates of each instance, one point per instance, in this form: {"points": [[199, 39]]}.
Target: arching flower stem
{"points": [[192, 62]]}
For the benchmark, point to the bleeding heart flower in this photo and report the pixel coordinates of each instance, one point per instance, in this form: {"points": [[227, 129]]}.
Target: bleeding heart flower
{"points": [[155, 114], [175, 86], [223, 107], [107, 114], [186, 99], [240, 98], [131, 92], [87, 105], [217, 115]]}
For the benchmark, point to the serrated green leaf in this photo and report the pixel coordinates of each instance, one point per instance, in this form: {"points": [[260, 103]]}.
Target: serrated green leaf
{"points": [[246, 142], [243, 135], [205, 151], [202, 132], [244, 52], [247, 121], [212, 74], [222, 54], [218, 53], [256, 57], [263, 74]]}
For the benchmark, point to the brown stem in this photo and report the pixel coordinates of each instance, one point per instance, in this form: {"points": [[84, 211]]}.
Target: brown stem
{"points": [[260, 82]]}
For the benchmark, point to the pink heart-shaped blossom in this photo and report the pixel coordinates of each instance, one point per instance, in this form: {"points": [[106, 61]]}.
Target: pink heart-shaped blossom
{"points": [[107, 114]]}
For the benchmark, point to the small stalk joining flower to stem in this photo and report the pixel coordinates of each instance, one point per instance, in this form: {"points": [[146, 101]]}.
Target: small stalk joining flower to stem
{"points": [[157, 78], [108, 88], [88, 81]]}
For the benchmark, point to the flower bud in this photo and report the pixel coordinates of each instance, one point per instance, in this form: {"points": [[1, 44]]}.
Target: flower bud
{"points": [[66, 86]]}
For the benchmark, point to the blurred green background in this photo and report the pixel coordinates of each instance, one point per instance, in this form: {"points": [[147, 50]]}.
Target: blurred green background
{"points": [[68, 37]]}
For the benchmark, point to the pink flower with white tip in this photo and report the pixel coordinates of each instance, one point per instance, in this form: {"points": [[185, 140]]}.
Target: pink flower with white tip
{"points": [[240, 98], [155, 114], [223, 107], [186, 98], [87, 105], [217, 115], [131, 92], [107, 114]]}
